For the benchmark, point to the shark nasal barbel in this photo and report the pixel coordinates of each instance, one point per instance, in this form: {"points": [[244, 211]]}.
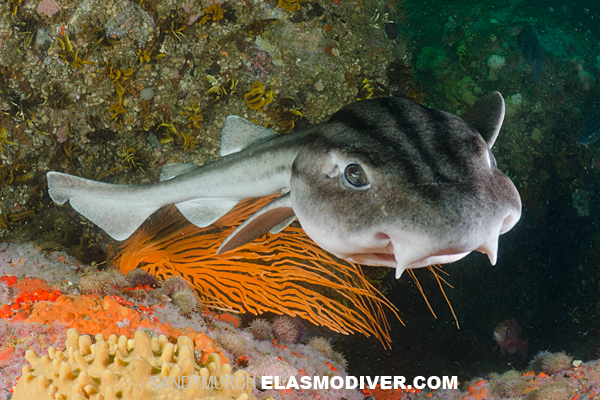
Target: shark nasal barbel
{"points": [[384, 181]]}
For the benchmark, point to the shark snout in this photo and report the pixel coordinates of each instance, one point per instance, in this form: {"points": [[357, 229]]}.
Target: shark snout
{"points": [[509, 221]]}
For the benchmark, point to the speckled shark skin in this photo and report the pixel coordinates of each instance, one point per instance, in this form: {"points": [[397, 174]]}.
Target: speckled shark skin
{"points": [[383, 182]]}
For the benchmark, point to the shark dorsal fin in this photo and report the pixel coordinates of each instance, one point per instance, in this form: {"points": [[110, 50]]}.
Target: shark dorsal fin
{"points": [[170, 171], [486, 115], [239, 133], [278, 214]]}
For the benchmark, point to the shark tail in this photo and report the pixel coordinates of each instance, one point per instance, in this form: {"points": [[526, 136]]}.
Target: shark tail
{"points": [[117, 209]]}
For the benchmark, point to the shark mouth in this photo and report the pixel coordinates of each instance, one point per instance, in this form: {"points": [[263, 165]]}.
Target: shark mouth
{"points": [[402, 257]]}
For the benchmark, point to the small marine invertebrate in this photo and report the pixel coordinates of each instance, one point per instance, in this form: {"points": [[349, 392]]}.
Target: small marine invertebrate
{"points": [[22, 106], [213, 12], [120, 91], [101, 282], [234, 343], [271, 366], [116, 74], [195, 116], [97, 36], [219, 90], [462, 52], [186, 138], [144, 55], [290, 5], [286, 329], [116, 367], [321, 344], [369, 88], [285, 114], [58, 98], [185, 299], [71, 57], [340, 360], [536, 363], [130, 159], [176, 28], [554, 363], [259, 26], [15, 172], [261, 329], [552, 391], [188, 141], [4, 140], [511, 384], [94, 283], [140, 277], [117, 108], [173, 284], [258, 96]]}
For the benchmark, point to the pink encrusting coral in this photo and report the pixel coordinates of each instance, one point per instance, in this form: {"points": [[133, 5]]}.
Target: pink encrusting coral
{"points": [[15, 339], [48, 7]]}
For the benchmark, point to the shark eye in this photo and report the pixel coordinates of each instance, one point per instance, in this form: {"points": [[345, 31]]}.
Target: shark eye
{"points": [[355, 177]]}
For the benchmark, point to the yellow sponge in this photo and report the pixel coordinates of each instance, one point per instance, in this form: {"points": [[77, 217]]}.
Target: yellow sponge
{"points": [[129, 369]]}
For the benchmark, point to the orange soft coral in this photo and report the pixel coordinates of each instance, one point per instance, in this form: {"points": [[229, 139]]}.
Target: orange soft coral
{"points": [[284, 274], [93, 315]]}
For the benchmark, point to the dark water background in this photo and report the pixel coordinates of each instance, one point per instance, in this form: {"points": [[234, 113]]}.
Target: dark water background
{"points": [[548, 271]]}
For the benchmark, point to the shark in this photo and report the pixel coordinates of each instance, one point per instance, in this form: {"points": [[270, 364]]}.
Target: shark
{"points": [[383, 182]]}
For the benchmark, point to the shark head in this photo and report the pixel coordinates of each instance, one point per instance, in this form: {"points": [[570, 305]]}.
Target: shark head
{"points": [[389, 182]]}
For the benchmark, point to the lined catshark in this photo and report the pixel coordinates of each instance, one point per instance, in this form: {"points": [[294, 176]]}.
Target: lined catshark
{"points": [[383, 182]]}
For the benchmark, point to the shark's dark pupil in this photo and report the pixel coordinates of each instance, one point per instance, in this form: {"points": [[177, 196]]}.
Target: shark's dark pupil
{"points": [[356, 176]]}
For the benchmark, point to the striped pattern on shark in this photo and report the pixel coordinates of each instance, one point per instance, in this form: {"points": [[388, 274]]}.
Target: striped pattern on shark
{"points": [[385, 182]]}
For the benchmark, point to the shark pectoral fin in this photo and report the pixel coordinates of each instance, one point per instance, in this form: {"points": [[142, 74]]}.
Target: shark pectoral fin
{"points": [[274, 214], [279, 227], [170, 171], [203, 212], [239, 133], [486, 115]]}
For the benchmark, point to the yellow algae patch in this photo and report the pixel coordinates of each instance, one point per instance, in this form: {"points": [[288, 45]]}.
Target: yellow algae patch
{"points": [[290, 5], [258, 96]]}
